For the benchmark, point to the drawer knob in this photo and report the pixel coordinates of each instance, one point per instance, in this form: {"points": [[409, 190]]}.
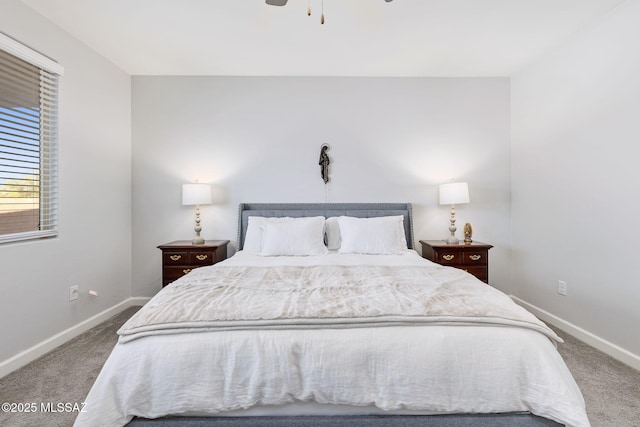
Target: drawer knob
{"points": [[186, 271], [448, 257], [175, 257], [475, 257], [201, 257]]}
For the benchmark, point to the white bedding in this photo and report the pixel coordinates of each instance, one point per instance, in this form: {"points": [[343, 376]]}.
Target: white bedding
{"points": [[416, 369]]}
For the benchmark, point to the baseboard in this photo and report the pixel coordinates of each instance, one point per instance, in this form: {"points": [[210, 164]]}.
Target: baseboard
{"points": [[593, 340], [29, 355]]}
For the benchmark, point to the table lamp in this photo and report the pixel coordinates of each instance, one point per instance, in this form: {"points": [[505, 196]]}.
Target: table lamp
{"points": [[452, 194], [196, 194]]}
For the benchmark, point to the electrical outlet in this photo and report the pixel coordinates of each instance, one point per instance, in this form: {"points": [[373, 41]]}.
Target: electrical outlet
{"points": [[74, 293], [562, 288]]}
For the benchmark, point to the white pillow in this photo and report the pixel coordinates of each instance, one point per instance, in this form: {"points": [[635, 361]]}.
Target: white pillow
{"points": [[297, 237], [332, 233], [375, 236], [253, 236]]}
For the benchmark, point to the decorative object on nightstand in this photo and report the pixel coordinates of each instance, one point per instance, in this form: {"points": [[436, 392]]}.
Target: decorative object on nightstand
{"points": [[196, 194], [471, 257], [468, 232], [181, 256], [452, 194]]}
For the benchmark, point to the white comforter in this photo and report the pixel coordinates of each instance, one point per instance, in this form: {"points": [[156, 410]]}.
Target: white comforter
{"points": [[430, 368]]}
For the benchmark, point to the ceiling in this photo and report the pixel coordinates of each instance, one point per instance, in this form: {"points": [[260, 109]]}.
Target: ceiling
{"points": [[359, 37]]}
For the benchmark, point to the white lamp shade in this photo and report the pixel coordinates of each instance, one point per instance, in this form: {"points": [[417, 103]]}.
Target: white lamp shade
{"points": [[196, 194], [454, 193]]}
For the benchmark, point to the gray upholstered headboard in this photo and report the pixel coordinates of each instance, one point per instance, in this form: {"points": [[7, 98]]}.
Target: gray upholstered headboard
{"points": [[360, 210]]}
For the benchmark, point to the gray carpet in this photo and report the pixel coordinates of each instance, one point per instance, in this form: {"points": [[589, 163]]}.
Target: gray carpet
{"points": [[610, 388], [65, 375]]}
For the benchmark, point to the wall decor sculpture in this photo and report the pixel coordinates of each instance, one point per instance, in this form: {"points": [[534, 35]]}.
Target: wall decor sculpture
{"points": [[324, 163]]}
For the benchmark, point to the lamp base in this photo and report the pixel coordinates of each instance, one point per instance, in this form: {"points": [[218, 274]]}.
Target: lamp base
{"points": [[198, 240], [452, 240]]}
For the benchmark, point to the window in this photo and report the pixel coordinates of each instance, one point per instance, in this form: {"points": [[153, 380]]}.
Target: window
{"points": [[28, 142]]}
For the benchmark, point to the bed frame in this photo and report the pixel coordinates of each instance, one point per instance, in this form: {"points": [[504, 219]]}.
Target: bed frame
{"points": [[471, 420], [361, 210]]}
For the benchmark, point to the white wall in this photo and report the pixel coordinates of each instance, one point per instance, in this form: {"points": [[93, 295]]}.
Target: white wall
{"points": [[576, 179], [93, 249], [258, 140]]}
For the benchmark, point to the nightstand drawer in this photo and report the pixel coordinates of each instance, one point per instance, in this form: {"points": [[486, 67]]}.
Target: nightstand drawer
{"points": [[449, 258], [481, 273], [175, 258], [202, 258], [172, 273], [479, 257]]}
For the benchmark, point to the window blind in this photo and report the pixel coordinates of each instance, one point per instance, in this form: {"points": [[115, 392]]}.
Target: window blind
{"points": [[28, 143]]}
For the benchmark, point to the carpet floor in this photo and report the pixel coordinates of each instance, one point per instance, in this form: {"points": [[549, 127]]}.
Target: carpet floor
{"points": [[65, 375]]}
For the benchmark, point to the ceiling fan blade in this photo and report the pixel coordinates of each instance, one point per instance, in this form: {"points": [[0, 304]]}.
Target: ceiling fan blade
{"points": [[276, 2]]}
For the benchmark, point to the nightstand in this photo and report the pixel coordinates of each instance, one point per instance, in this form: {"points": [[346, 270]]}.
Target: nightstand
{"points": [[471, 257], [181, 256]]}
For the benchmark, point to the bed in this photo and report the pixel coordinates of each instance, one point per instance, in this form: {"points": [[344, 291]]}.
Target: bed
{"points": [[353, 329]]}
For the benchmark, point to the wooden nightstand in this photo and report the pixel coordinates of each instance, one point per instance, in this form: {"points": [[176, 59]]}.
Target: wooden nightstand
{"points": [[181, 256], [471, 257]]}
